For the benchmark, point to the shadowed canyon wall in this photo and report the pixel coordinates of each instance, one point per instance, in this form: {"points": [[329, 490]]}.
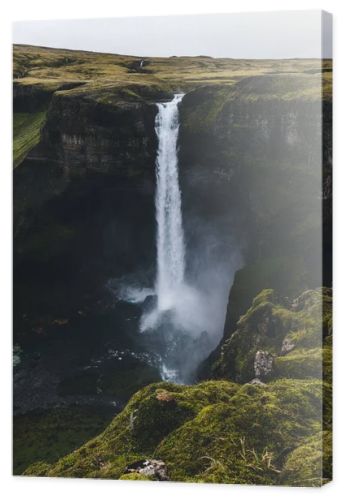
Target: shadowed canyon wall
{"points": [[249, 182]]}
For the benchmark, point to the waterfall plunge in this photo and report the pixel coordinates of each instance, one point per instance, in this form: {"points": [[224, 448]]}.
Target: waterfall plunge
{"points": [[183, 314], [181, 309], [169, 285], [170, 238]]}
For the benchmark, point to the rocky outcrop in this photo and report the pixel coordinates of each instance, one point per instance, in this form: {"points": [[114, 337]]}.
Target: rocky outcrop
{"points": [[254, 150], [95, 161], [31, 98], [263, 362], [83, 135], [275, 339], [154, 469]]}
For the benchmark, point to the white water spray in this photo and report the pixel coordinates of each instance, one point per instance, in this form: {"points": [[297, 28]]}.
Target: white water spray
{"points": [[170, 237], [185, 313], [192, 309]]}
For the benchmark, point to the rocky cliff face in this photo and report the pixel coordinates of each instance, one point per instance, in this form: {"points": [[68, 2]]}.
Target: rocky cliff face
{"points": [[249, 156], [83, 215], [85, 136], [280, 340], [256, 151], [86, 188]]}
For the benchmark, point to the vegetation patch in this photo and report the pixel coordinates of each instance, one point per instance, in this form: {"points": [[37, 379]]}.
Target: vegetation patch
{"points": [[310, 463], [26, 133], [215, 431], [297, 334]]}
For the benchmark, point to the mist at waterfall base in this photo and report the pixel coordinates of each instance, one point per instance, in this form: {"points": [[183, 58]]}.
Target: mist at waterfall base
{"points": [[183, 313]]}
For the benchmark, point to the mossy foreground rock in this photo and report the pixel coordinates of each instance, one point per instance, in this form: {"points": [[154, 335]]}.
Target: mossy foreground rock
{"points": [[246, 440], [271, 427], [216, 431], [278, 338], [310, 463]]}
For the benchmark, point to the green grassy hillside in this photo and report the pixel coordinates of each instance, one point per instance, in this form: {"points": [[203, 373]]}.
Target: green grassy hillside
{"points": [[26, 133], [113, 79], [50, 68]]}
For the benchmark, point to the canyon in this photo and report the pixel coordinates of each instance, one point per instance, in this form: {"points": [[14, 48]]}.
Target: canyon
{"points": [[256, 189]]}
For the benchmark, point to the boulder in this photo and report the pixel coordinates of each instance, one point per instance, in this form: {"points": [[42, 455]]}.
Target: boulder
{"points": [[287, 346], [155, 469], [256, 381], [263, 362], [150, 303]]}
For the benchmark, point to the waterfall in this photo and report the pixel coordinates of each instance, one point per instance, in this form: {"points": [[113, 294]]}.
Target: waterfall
{"points": [[179, 315], [183, 313], [170, 237]]}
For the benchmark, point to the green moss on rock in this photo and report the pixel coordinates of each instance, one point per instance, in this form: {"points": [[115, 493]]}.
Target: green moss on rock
{"points": [[135, 476], [296, 334], [219, 431], [243, 441], [151, 414], [263, 327], [26, 133], [300, 363], [37, 469], [158, 415], [215, 431], [310, 463]]}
